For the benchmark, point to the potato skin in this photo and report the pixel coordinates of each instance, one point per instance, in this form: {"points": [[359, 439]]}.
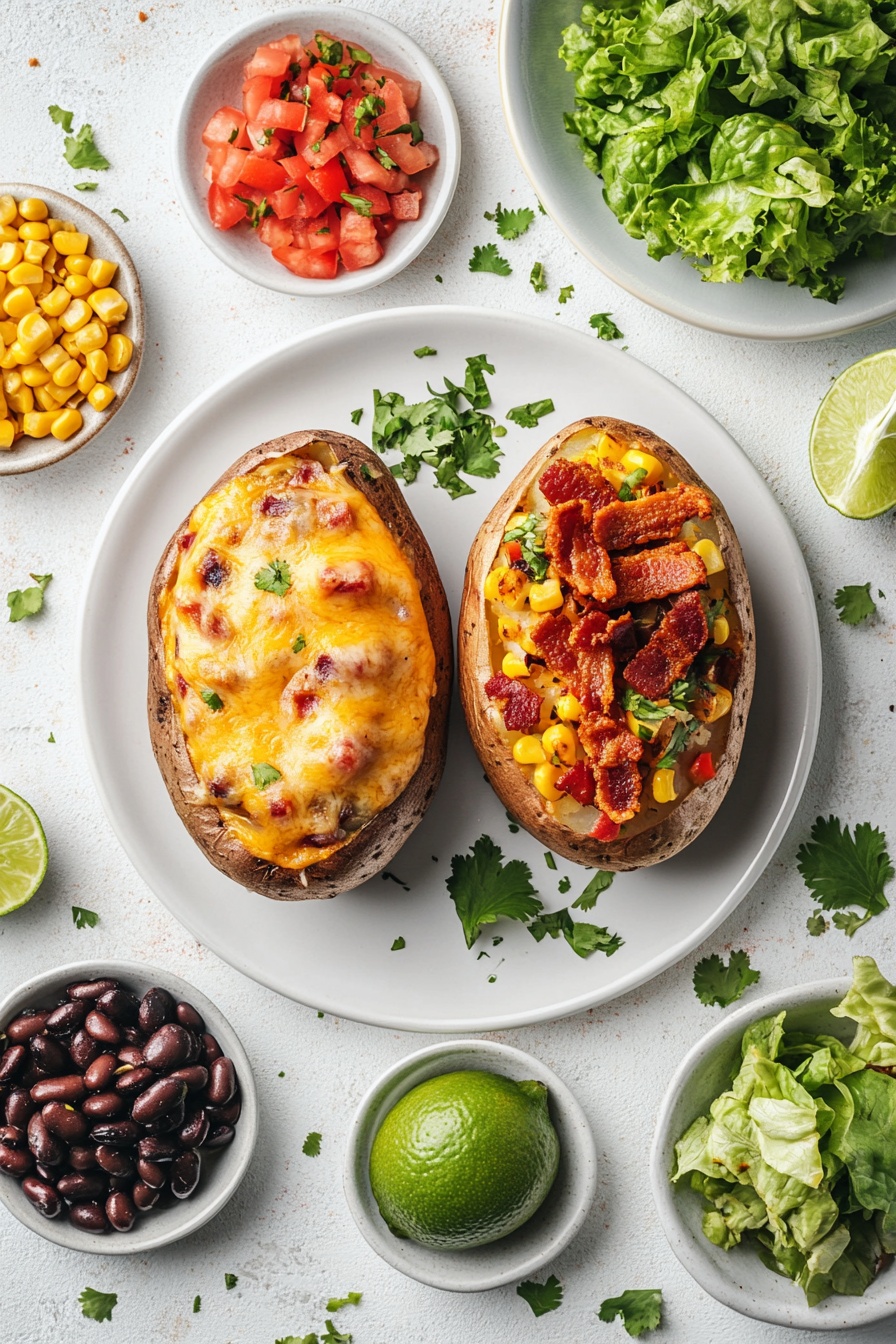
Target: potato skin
{"points": [[370, 850], [685, 822]]}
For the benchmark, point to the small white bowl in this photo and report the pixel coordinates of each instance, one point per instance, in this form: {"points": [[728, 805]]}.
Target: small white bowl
{"points": [[738, 1278], [221, 1173], [30, 454], [534, 1244], [217, 83]]}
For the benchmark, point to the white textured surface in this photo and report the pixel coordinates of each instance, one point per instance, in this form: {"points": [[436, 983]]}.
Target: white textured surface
{"points": [[288, 1234]]}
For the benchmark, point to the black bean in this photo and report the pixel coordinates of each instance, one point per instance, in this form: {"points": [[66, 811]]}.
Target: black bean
{"points": [[187, 1016], [90, 989], [46, 1173], [42, 1196], [12, 1136], [98, 1075], [158, 1100], [27, 1024], [120, 1211], [210, 1049], [171, 1120], [120, 1005], [65, 1019], [79, 1186], [118, 1133], [103, 1105], [151, 1173], [49, 1055], [102, 1028], [168, 1047], [70, 1087], [11, 1062], [156, 1008], [154, 1149], [89, 1217], [84, 1049], [15, 1161], [65, 1122], [44, 1145], [185, 1171], [133, 1035], [131, 1054], [82, 1157], [194, 1075], [195, 1129], [226, 1115], [115, 1161], [135, 1081], [19, 1107], [120, 1183], [221, 1081], [220, 1137], [145, 1196]]}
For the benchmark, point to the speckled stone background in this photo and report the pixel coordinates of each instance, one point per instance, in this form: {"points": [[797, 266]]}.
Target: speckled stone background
{"points": [[287, 1234]]}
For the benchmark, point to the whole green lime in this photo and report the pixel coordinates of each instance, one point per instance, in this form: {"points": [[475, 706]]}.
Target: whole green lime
{"points": [[464, 1159]]}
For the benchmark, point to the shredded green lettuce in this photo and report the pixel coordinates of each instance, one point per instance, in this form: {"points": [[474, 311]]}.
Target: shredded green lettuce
{"points": [[754, 136]]}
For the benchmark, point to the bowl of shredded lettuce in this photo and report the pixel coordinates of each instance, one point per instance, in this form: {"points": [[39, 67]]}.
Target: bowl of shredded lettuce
{"points": [[773, 1164], [732, 162]]}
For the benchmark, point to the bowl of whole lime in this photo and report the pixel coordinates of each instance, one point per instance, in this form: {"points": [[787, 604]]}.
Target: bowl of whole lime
{"points": [[469, 1165]]}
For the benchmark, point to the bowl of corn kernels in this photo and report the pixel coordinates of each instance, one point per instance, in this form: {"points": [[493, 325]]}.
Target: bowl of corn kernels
{"points": [[71, 326]]}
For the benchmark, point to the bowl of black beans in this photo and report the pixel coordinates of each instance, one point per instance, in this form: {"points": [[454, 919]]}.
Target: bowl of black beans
{"points": [[127, 1106]]}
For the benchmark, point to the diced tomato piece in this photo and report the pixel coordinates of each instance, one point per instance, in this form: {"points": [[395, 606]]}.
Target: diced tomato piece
{"points": [[358, 243], [514, 551], [410, 88], [323, 102], [604, 829], [270, 61], [262, 173], [311, 203], [406, 204], [364, 139], [410, 158], [226, 164], [283, 115], [295, 168], [293, 45], [285, 203], [264, 141], [385, 225], [319, 152], [379, 201], [221, 127], [224, 210], [367, 169], [329, 181], [275, 232], [701, 769], [311, 265], [255, 91], [318, 235]]}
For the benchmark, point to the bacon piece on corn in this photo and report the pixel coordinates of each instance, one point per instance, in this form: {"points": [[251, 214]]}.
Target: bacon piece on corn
{"points": [[656, 573], [651, 518], [671, 649]]}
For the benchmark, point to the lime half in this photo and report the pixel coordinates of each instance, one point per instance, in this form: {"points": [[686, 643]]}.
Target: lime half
{"points": [[852, 445], [23, 851]]}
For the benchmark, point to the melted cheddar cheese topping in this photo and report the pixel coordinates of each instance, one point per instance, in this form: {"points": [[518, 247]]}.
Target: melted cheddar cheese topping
{"points": [[298, 657]]}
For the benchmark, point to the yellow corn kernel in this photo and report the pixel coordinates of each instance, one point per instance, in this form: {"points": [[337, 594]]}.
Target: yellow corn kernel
{"points": [[710, 554], [45, 399], [511, 666], [103, 395], [54, 225], [86, 381], [635, 460], [57, 393], [18, 352], [56, 302], [109, 305], [66, 423], [720, 630], [646, 731], [569, 709], [53, 358], [70, 244], [527, 643], [8, 331], [8, 234], [67, 340], [545, 596], [503, 584], [3, 282], [76, 315], [17, 302], [664, 786], [33, 333], [493, 578], [10, 255], [7, 428], [101, 272], [12, 381], [36, 232], [93, 337], [528, 750], [615, 475], [35, 253], [21, 401], [67, 373], [508, 628], [32, 207], [37, 424], [8, 359], [545, 779], [98, 364], [79, 265], [53, 324], [716, 706], [78, 286], [120, 351], [560, 741], [2, 406], [35, 375], [8, 209]]}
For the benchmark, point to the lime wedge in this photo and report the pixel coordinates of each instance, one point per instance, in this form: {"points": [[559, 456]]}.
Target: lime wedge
{"points": [[23, 851], [852, 444]]}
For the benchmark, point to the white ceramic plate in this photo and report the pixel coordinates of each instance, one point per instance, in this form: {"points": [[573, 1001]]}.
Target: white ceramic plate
{"points": [[536, 90], [335, 955]]}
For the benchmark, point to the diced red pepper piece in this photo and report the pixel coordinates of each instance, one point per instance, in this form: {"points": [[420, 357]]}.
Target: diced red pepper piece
{"points": [[578, 782], [605, 829], [702, 769]]}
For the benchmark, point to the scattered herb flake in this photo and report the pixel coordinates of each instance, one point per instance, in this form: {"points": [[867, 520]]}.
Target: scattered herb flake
{"points": [[488, 258], [542, 1297], [350, 1300], [550, 860], [855, 603], [256, 211], [61, 117], [197, 1304], [588, 899], [330, 50], [485, 889], [299, 643], [86, 186], [816, 924], [274, 578], [512, 824], [511, 223], [51, 738], [391, 877], [264, 774], [639, 1308], [358, 203], [115, 211], [842, 870], [84, 919], [566, 293], [716, 983], [230, 1281], [213, 700], [398, 946], [628, 487], [24, 602], [528, 416], [356, 415], [81, 151], [605, 327], [584, 939], [311, 1146], [411, 128], [423, 351], [333, 1336], [438, 279], [281, 1074], [96, 1305], [367, 110], [564, 885], [530, 534], [537, 278]]}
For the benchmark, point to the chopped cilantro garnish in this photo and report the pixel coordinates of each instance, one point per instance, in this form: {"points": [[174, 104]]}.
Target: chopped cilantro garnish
{"points": [[630, 484], [511, 223], [855, 603], [528, 416], [564, 885], [550, 860], [230, 1281], [84, 919], [423, 350], [24, 602], [640, 1309], [841, 870], [256, 211], [588, 899], [716, 983], [816, 924], [676, 744], [566, 293], [485, 889], [274, 578], [115, 211], [356, 417], [81, 152], [264, 774], [197, 1304], [96, 1305], [542, 1297], [530, 535], [411, 128], [370, 107], [299, 643], [605, 327], [330, 51], [86, 186], [213, 700], [311, 1146], [61, 117], [397, 946], [488, 258], [350, 1300], [584, 939], [359, 203], [384, 158], [537, 278]]}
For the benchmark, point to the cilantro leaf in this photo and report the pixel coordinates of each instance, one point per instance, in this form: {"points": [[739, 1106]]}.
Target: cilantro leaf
{"points": [[264, 774], [816, 924], [370, 107], [84, 919], [51, 738], [588, 899], [274, 578], [639, 1308], [81, 151], [411, 128], [423, 350], [213, 700], [356, 415], [550, 860], [628, 487], [86, 186], [582, 938], [485, 889], [566, 293], [855, 603], [61, 117], [24, 602], [841, 870], [230, 1281], [511, 223], [121, 214], [330, 50], [333, 1336], [716, 983], [296, 1339], [197, 1304], [397, 946], [542, 1297], [337, 1303], [256, 211], [530, 535], [96, 1305], [527, 416], [563, 886], [676, 744], [605, 327], [537, 278], [299, 643], [488, 258], [311, 1146], [360, 204]]}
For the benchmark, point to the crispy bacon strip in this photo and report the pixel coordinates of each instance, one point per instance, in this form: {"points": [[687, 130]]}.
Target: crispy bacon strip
{"points": [[520, 706], [578, 782], [595, 665], [650, 518], [670, 650], [618, 790], [621, 634], [579, 560], [609, 742], [563, 480], [659, 572], [551, 637]]}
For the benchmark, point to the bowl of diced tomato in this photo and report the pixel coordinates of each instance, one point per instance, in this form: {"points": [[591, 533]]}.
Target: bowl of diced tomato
{"points": [[317, 151]]}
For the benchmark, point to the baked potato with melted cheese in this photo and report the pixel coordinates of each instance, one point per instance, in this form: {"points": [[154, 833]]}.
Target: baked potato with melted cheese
{"points": [[607, 647], [300, 665]]}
